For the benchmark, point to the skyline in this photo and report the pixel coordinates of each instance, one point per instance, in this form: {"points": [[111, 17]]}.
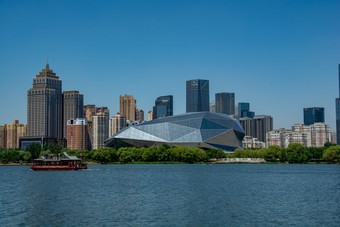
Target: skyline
{"points": [[279, 65]]}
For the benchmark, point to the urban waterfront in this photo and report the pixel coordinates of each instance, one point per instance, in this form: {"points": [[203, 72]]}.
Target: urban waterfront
{"points": [[180, 195]]}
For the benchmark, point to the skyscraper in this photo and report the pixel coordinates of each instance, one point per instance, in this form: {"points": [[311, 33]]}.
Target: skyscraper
{"points": [[100, 127], [45, 106], [197, 95], [77, 135], [127, 107], [117, 123], [258, 126], [225, 103], [163, 107], [337, 109], [140, 115], [73, 107], [313, 114], [243, 110]]}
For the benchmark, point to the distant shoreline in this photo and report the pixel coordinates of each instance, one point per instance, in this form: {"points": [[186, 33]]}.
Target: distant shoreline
{"points": [[207, 163]]}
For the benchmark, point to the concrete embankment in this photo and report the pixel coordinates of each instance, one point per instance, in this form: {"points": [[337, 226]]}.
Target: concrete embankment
{"points": [[240, 160]]}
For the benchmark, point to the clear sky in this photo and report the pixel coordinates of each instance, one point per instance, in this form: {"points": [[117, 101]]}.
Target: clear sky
{"points": [[278, 55]]}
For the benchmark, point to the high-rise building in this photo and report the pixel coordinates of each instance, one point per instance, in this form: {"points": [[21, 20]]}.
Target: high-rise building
{"points": [[244, 110], [150, 115], [337, 113], [225, 103], [257, 127], [73, 107], [77, 134], [88, 112], [10, 134], [117, 123], [100, 127], [313, 114], [163, 107], [127, 107], [45, 106], [197, 95], [140, 115]]}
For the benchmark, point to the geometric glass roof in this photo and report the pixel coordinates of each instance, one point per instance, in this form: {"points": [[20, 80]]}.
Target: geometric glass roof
{"points": [[203, 129]]}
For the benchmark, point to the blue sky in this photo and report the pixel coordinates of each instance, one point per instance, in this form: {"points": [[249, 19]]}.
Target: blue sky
{"points": [[278, 55]]}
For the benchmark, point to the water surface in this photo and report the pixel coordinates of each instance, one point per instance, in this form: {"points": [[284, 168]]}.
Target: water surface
{"points": [[172, 195]]}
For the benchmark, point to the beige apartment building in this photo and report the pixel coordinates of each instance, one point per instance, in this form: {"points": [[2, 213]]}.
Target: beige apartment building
{"points": [[10, 134], [128, 107]]}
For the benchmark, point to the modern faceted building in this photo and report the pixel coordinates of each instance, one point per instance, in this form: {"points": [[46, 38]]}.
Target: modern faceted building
{"points": [[202, 129]]}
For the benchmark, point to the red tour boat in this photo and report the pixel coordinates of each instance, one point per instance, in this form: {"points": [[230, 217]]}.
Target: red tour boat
{"points": [[61, 162]]}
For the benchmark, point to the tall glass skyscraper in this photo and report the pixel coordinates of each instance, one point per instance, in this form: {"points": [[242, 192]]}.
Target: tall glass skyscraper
{"points": [[225, 103], [45, 106], [197, 92], [313, 114], [243, 110], [163, 107]]}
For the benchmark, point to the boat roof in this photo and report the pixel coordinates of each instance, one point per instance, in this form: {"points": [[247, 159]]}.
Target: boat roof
{"points": [[64, 157]]}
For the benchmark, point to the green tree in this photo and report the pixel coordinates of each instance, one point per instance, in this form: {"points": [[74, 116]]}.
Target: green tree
{"points": [[34, 149], [296, 153], [272, 153], [332, 154]]}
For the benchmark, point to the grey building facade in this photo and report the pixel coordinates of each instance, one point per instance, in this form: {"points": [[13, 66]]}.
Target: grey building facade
{"points": [[45, 106], [225, 103], [73, 107], [257, 127], [163, 107], [197, 95]]}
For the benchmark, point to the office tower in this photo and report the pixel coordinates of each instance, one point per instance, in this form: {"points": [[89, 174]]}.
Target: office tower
{"points": [[100, 127], [337, 113], [73, 107], [77, 135], [140, 115], [212, 107], [117, 123], [10, 134], [45, 106], [163, 107], [225, 103], [257, 127], [127, 107], [197, 95], [244, 110], [236, 110], [150, 115], [313, 114]]}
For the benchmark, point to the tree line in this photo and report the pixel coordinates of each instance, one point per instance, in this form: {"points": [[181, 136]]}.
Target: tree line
{"points": [[295, 153]]}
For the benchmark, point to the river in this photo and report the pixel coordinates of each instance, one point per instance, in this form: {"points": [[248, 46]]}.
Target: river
{"points": [[172, 195]]}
